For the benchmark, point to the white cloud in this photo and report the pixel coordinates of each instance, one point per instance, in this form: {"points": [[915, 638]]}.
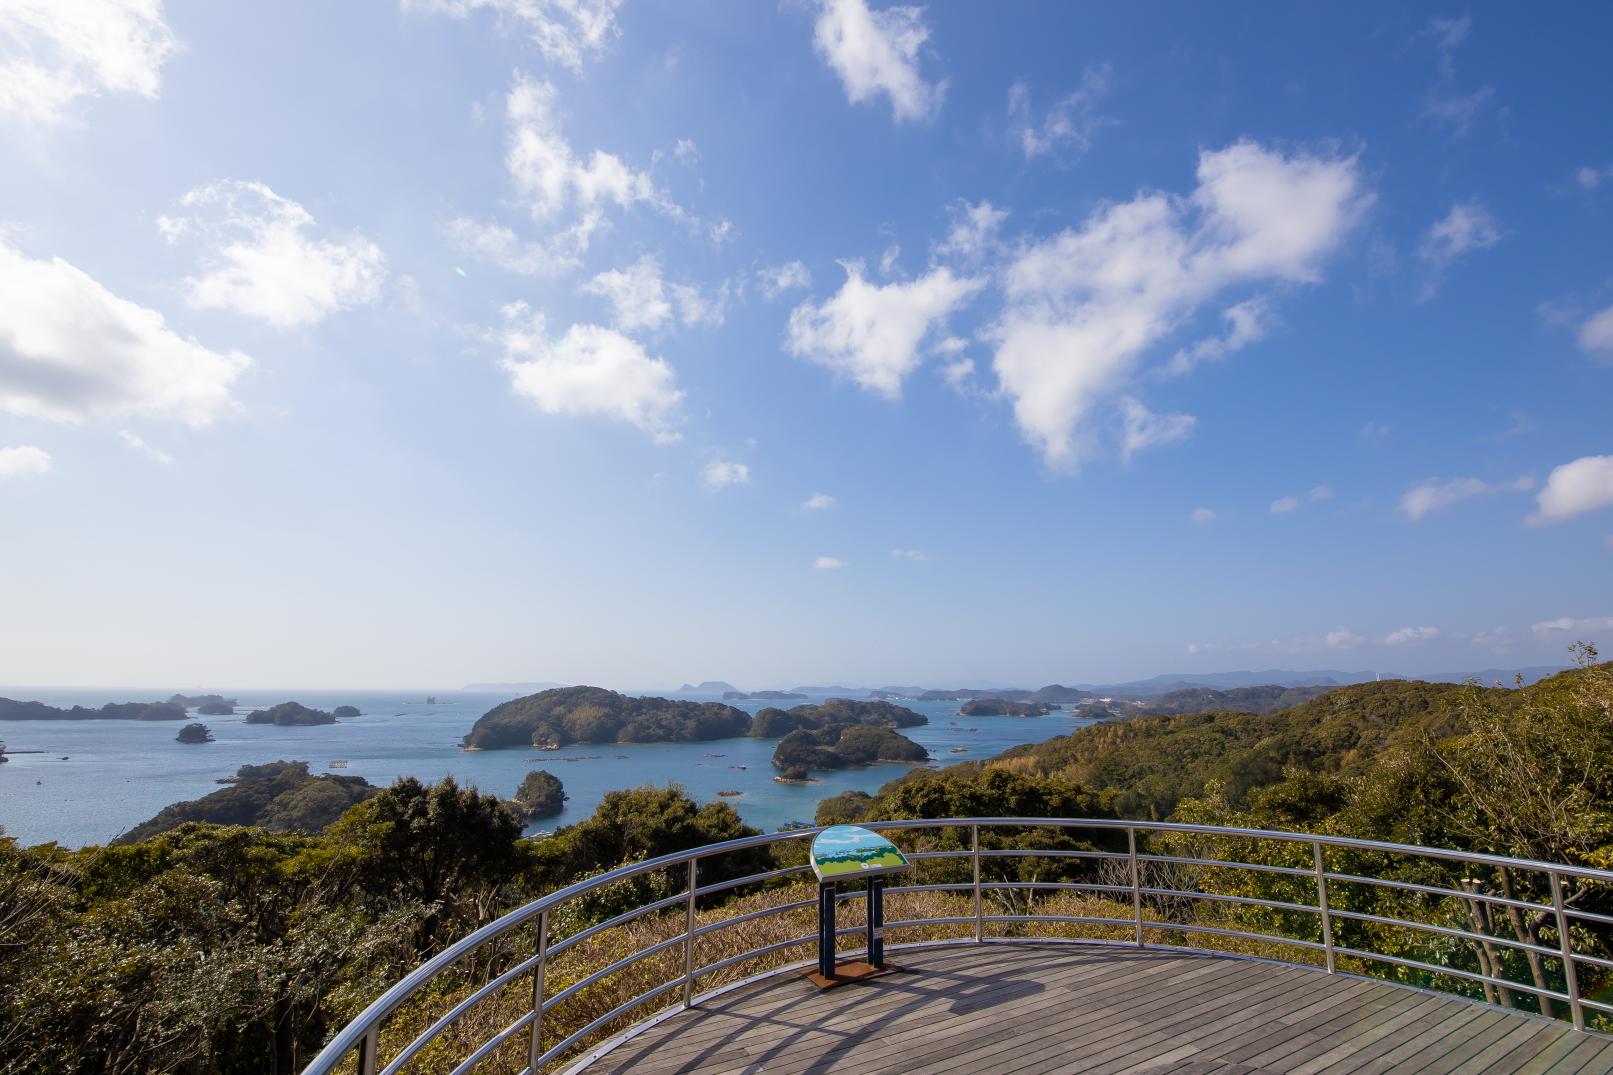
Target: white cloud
{"points": [[642, 299], [500, 245], [870, 332], [1443, 104], [1145, 429], [959, 375], [1466, 228], [915, 555], [1321, 493], [973, 234], [1590, 178], [1374, 430], [565, 31], [877, 52], [720, 475], [1284, 504], [1596, 334], [561, 190], [1084, 305], [138, 443], [1070, 125], [24, 461], [1573, 489], [70, 351], [1436, 494], [778, 279], [686, 151], [1407, 635], [818, 502], [1247, 322], [887, 260], [262, 262], [828, 563], [1343, 638], [1565, 624], [55, 52], [1202, 516], [590, 371]]}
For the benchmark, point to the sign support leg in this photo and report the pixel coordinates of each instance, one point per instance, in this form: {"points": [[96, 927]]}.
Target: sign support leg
{"points": [[826, 929], [876, 923]]}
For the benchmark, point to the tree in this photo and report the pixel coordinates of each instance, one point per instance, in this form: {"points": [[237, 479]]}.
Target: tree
{"points": [[194, 733], [540, 795]]}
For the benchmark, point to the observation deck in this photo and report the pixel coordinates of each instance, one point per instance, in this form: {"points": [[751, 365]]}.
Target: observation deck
{"points": [[1029, 945]]}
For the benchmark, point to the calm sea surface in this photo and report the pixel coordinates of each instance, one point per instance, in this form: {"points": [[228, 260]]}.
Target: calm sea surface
{"points": [[97, 778]]}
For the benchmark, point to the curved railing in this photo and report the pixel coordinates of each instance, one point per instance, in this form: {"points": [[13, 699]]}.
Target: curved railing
{"points": [[1363, 906]]}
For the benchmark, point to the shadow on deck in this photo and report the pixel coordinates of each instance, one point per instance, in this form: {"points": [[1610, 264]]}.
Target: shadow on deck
{"points": [[1008, 1008]]}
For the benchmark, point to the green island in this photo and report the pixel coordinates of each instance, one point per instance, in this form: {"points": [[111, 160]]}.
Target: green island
{"points": [[345, 711], [541, 794], [198, 701], [844, 746], [290, 714], [11, 709], [196, 732], [999, 707], [760, 696], [556, 718], [216, 709]]}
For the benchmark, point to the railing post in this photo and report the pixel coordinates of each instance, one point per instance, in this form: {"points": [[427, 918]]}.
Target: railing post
{"points": [[980, 920], [1136, 885], [1321, 903], [535, 1049], [367, 1048], [688, 937], [1570, 972]]}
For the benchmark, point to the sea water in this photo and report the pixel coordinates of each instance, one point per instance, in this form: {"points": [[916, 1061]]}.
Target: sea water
{"points": [[97, 778]]}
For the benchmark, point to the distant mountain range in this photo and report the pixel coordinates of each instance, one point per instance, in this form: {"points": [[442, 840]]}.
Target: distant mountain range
{"points": [[513, 686]]}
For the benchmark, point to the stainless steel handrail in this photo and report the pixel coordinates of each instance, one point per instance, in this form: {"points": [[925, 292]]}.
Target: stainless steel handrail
{"points": [[361, 1037]]}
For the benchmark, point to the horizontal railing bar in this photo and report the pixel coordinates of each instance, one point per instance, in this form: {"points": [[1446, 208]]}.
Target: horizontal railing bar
{"points": [[1229, 864], [723, 964], [1437, 890], [493, 1043], [1454, 972], [621, 964], [1091, 920], [1072, 886], [622, 919], [962, 886], [751, 916], [1149, 923], [1606, 1009], [1595, 961], [1449, 931], [1219, 897], [1016, 852], [753, 879], [915, 856], [1587, 916], [448, 1020], [615, 1013]]}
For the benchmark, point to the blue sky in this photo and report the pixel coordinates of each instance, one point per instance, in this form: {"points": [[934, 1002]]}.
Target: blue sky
{"points": [[409, 345]]}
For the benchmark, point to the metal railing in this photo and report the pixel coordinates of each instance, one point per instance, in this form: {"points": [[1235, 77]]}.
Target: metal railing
{"points": [[1158, 879]]}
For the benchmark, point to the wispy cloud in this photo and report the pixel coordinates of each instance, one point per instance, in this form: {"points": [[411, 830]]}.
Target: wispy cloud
{"points": [[24, 461], [915, 555], [1437, 494], [565, 31], [1070, 125], [828, 563], [1285, 504], [138, 443], [877, 52], [55, 53], [1444, 104], [818, 502], [721, 474], [1466, 228]]}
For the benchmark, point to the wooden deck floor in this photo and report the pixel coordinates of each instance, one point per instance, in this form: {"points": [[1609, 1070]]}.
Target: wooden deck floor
{"points": [[1028, 1008]]}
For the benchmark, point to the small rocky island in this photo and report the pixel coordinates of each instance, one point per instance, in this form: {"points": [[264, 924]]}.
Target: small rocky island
{"points": [[290, 714], [345, 711], [199, 701], [771, 723], [1000, 707], [556, 718], [216, 709], [14, 710], [196, 732], [540, 795], [844, 746]]}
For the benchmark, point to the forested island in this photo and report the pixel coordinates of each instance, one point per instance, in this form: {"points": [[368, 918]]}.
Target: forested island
{"points": [[555, 718], [342, 711], [842, 746], [540, 795], [760, 696], [290, 714], [197, 701], [15, 710], [1053, 692], [195, 733], [999, 707]]}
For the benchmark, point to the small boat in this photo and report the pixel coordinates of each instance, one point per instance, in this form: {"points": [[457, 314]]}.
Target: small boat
{"points": [[339, 763], [741, 768], [960, 750], [729, 793]]}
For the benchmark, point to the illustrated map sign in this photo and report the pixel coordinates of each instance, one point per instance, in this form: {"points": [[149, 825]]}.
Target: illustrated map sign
{"points": [[843, 852]]}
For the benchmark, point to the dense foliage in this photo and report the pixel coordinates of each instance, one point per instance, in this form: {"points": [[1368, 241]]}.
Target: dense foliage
{"points": [[540, 795], [290, 714], [999, 707], [11, 709], [279, 796], [772, 723], [199, 700], [556, 718], [195, 732], [1264, 699], [841, 746]]}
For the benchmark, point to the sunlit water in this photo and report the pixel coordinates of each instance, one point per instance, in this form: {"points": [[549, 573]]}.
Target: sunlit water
{"points": [[97, 778]]}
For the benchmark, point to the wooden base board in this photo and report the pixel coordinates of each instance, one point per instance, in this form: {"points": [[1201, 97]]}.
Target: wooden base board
{"points": [[845, 973]]}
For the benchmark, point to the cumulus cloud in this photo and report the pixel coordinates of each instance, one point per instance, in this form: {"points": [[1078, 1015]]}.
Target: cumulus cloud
{"points": [[1407, 635], [1436, 494], [720, 475], [828, 563], [1568, 624], [150, 451], [1145, 429], [1069, 127], [877, 52], [54, 53], [565, 31], [1444, 104], [1285, 504], [1573, 489], [1590, 178], [1466, 228], [641, 299], [71, 351], [915, 555], [818, 502], [973, 234], [261, 260], [1202, 516], [590, 371], [1084, 306], [778, 279], [1596, 334], [500, 245], [1247, 322], [872, 332], [23, 461]]}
